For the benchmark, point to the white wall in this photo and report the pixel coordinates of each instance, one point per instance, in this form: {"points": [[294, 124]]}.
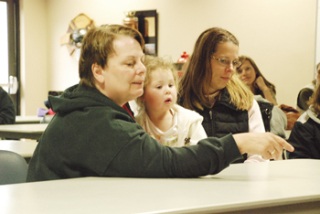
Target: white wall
{"points": [[318, 36], [34, 64], [278, 34]]}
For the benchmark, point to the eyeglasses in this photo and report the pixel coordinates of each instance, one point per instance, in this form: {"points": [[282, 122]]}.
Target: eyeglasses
{"points": [[227, 62]]}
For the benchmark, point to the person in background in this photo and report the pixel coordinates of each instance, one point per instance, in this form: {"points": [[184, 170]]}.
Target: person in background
{"points": [[159, 115], [275, 119], [251, 75], [91, 134], [304, 95], [210, 87], [305, 135], [7, 109], [306, 92]]}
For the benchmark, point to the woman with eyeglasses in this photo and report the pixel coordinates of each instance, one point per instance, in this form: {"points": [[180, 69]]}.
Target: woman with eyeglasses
{"points": [[210, 87]]}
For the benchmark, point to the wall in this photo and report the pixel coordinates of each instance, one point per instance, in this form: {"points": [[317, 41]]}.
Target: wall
{"points": [[278, 34], [34, 54], [318, 36]]}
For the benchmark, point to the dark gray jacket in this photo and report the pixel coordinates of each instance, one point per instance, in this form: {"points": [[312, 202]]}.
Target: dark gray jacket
{"points": [[305, 136], [92, 136], [7, 109]]}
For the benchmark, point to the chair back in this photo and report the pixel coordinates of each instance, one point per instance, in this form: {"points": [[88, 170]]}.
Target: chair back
{"points": [[13, 168]]}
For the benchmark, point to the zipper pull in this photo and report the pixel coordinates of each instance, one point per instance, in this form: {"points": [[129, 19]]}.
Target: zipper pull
{"points": [[210, 113]]}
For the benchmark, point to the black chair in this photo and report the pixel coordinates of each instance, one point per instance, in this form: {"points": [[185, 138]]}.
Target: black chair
{"points": [[13, 168]]}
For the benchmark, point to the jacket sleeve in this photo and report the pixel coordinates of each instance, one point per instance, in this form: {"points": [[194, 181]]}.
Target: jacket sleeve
{"points": [[301, 138], [255, 118], [255, 125], [142, 156], [278, 122], [7, 110], [197, 132]]}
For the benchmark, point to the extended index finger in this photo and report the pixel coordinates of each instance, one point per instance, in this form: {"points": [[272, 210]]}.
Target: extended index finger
{"points": [[285, 145]]}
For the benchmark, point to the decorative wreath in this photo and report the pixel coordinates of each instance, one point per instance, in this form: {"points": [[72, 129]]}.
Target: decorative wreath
{"points": [[78, 27]]}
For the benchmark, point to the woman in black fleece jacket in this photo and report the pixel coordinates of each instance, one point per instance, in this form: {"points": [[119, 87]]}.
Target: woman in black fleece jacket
{"points": [[92, 135]]}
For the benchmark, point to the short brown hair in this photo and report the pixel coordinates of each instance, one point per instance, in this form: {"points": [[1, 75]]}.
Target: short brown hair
{"points": [[98, 46]]}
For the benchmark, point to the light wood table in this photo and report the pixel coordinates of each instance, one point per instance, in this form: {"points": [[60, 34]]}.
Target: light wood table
{"points": [[18, 131], [28, 119], [285, 186], [25, 148]]}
